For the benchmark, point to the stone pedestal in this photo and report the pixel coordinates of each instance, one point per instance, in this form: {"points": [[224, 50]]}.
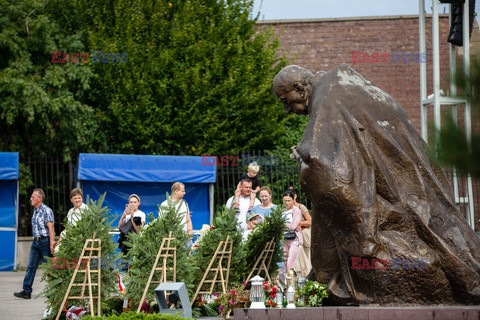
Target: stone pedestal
{"points": [[363, 313]]}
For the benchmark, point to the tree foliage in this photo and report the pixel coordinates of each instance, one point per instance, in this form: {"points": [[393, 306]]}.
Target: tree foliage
{"points": [[198, 79], [272, 228], [225, 224], [41, 104], [454, 148], [144, 249], [59, 270]]}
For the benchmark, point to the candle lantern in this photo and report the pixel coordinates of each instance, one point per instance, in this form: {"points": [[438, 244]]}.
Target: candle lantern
{"points": [[301, 284], [288, 279], [257, 295], [279, 299], [291, 288], [291, 296], [291, 278]]}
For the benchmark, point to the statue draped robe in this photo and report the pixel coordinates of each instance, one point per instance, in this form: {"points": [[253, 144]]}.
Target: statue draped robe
{"points": [[377, 199]]}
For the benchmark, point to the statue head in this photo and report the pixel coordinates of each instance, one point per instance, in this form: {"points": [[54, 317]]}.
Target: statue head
{"points": [[292, 86]]}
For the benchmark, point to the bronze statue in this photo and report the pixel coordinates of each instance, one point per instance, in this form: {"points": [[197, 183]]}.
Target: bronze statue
{"points": [[385, 229]]}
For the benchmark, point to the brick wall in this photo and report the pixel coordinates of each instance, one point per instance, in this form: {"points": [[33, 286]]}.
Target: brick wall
{"points": [[322, 44]]}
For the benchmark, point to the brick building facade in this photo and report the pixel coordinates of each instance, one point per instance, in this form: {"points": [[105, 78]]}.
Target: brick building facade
{"points": [[382, 49], [322, 44]]}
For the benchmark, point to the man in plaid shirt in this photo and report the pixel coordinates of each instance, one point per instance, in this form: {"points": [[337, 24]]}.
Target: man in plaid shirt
{"points": [[43, 240]]}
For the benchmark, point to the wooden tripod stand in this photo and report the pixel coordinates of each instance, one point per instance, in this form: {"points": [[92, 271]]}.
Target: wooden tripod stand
{"points": [[167, 250], [223, 252], [92, 278]]}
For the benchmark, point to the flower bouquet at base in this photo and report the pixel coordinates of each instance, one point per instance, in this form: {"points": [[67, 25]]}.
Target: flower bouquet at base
{"points": [[313, 294], [270, 294], [237, 297]]}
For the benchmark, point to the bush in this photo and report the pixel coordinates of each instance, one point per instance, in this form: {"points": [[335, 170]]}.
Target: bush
{"points": [[225, 223], [313, 293], [144, 250], [58, 271], [272, 227]]}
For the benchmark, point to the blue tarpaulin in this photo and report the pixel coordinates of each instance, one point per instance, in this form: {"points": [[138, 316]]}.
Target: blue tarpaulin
{"points": [[9, 176], [9, 166], [144, 168], [150, 177]]}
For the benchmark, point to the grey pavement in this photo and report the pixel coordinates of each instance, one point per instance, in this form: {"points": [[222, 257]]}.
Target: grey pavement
{"points": [[13, 308]]}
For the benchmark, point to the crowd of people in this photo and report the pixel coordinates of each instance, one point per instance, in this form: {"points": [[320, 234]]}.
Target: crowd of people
{"points": [[249, 211]]}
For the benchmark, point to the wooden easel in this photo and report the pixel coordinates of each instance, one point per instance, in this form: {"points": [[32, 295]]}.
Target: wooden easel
{"points": [[165, 251], [264, 260], [94, 248], [224, 251]]}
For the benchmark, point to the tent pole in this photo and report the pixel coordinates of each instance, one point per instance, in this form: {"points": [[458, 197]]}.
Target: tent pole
{"points": [[210, 201]]}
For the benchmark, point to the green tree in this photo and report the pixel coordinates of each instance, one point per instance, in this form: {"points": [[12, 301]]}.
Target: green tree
{"points": [[272, 227], [144, 249], [42, 108], [454, 148], [198, 77], [225, 223], [59, 270]]}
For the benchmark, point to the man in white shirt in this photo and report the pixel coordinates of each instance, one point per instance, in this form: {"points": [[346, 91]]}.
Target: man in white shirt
{"points": [[178, 192], [241, 201]]}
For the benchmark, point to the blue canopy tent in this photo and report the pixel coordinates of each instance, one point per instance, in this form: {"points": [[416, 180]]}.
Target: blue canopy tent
{"points": [[150, 177], [8, 210]]}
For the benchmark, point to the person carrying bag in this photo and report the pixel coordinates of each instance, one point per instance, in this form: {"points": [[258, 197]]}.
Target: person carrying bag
{"points": [[293, 236], [132, 219], [124, 230]]}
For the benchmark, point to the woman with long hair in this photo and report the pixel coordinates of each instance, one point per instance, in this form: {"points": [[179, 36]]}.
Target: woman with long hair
{"points": [[266, 205], [293, 215], [304, 263]]}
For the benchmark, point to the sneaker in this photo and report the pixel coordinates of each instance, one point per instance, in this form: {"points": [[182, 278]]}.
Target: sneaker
{"points": [[23, 294]]}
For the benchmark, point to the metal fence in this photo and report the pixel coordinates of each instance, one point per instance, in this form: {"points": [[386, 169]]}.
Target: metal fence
{"points": [[55, 178], [277, 170]]}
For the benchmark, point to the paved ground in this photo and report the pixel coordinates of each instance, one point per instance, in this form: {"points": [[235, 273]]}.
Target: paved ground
{"points": [[13, 308]]}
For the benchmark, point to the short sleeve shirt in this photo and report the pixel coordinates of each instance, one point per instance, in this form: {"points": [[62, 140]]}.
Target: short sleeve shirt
{"points": [[265, 212], [74, 215], [41, 217], [181, 207], [138, 213]]}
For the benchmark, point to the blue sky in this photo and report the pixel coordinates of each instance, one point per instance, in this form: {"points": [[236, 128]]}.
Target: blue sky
{"points": [[307, 9]]}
